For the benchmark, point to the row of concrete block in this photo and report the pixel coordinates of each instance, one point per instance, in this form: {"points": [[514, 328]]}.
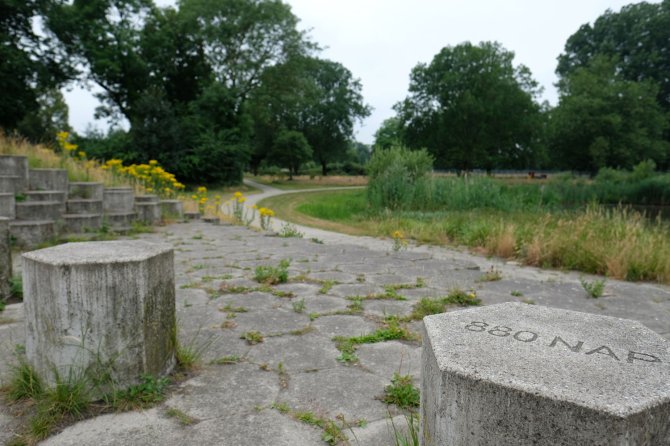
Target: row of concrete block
{"points": [[42, 203]]}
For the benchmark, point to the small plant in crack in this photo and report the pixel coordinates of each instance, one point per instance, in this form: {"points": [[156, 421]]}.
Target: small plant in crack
{"points": [[326, 286], [227, 360], [393, 329], [252, 337], [402, 392], [298, 305], [229, 308], [183, 418], [492, 275], [272, 275], [427, 306]]}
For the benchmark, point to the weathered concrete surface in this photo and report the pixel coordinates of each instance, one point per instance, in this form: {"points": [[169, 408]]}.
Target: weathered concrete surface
{"points": [[172, 209], [7, 205], [118, 199], [14, 165], [101, 308], [232, 403], [47, 179], [31, 233], [524, 374], [86, 190], [5, 259]]}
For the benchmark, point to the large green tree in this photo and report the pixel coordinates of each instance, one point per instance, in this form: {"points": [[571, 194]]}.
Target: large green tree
{"points": [[182, 76], [637, 38], [472, 108], [319, 98], [605, 120], [31, 66]]}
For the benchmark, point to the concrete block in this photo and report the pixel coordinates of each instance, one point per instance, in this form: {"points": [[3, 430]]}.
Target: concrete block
{"points": [[100, 308], [16, 166], [47, 179], [120, 221], [146, 199], [148, 212], [7, 205], [518, 374], [30, 233], [119, 199], [172, 209], [39, 210], [86, 190], [5, 259], [9, 184], [46, 195], [79, 223], [84, 206]]}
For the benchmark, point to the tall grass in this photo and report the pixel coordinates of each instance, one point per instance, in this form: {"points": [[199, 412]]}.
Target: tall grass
{"points": [[42, 157], [616, 242]]}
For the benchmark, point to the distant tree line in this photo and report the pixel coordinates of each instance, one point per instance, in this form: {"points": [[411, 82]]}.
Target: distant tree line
{"points": [[212, 87], [209, 87], [470, 107]]}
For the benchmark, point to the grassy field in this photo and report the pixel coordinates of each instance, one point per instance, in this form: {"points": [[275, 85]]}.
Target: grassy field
{"points": [[614, 242]]}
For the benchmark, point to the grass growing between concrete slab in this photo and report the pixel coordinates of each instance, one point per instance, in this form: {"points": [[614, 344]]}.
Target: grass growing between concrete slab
{"points": [[402, 392], [427, 306], [392, 329], [332, 432]]}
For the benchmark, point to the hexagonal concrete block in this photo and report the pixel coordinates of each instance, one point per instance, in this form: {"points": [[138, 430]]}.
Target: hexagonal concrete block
{"points": [[102, 308], [518, 374]]}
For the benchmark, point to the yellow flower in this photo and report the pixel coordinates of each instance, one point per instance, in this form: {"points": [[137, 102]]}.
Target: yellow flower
{"points": [[81, 154], [194, 197], [397, 235], [202, 189], [62, 135], [153, 162], [241, 199], [237, 195], [149, 190]]}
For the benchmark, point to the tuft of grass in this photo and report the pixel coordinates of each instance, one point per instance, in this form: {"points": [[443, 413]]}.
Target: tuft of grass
{"points": [[252, 337], [227, 360], [183, 418], [298, 305], [409, 438], [229, 308], [392, 330], [594, 289], [16, 287], [289, 230], [516, 293], [492, 275], [24, 383], [272, 275], [149, 391], [427, 306], [402, 392], [326, 286]]}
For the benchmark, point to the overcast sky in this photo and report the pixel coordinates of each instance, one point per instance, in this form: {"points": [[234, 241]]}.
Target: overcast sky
{"points": [[380, 41]]}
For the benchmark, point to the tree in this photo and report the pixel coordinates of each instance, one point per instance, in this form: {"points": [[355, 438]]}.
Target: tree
{"points": [[336, 106], [317, 97], [605, 120], [31, 66], [389, 134], [181, 77], [470, 107], [637, 39], [290, 150]]}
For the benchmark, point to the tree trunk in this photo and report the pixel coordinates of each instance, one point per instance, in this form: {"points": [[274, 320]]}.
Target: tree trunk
{"points": [[324, 168]]}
